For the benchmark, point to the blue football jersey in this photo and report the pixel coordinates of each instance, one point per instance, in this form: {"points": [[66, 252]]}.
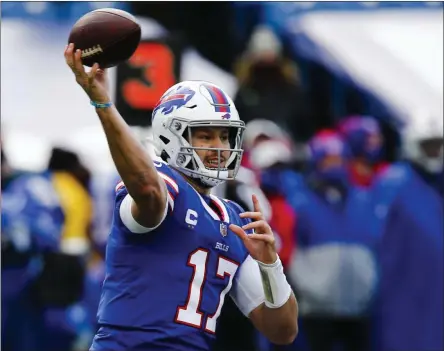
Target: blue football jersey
{"points": [[164, 290]]}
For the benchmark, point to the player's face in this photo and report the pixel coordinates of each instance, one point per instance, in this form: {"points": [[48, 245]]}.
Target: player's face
{"points": [[211, 138]]}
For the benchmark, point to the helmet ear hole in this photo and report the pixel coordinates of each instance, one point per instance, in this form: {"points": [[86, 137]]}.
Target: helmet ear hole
{"points": [[164, 140], [164, 156]]}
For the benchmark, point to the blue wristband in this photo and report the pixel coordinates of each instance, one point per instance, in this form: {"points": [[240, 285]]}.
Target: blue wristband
{"points": [[100, 105]]}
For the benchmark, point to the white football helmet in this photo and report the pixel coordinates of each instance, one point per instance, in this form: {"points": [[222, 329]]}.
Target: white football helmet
{"points": [[424, 128], [193, 104]]}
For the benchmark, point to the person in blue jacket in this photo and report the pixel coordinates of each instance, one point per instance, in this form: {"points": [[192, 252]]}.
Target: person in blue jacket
{"points": [[31, 225], [333, 269], [409, 200]]}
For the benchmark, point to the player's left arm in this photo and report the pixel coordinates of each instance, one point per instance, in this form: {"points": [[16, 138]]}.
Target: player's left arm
{"points": [[261, 290]]}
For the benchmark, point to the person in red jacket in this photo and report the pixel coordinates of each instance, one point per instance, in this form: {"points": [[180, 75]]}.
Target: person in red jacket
{"points": [[365, 140]]}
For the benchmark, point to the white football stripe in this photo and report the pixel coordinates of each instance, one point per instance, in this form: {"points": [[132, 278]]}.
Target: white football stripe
{"points": [[169, 180], [119, 185]]}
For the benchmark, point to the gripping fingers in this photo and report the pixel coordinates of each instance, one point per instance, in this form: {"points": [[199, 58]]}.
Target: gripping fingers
{"points": [[74, 61], [92, 74], [266, 238], [69, 56], [253, 215], [260, 225], [79, 69]]}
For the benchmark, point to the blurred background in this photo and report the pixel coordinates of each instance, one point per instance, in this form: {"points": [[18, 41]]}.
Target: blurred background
{"points": [[344, 144]]}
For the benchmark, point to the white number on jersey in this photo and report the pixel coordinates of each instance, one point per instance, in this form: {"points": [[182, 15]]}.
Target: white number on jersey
{"points": [[190, 314]]}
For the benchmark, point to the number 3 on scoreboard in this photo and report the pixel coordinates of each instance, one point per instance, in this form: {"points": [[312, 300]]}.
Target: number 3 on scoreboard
{"points": [[189, 314], [156, 60]]}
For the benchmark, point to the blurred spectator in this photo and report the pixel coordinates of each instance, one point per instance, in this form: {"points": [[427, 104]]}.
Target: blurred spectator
{"points": [[269, 88], [333, 269], [72, 181], [47, 299], [365, 140], [271, 158], [31, 224], [259, 130], [60, 288], [8, 174], [256, 131], [409, 200]]}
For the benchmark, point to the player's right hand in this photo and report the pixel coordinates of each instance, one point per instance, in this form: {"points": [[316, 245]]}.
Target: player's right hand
{"points": [[94, 82]]}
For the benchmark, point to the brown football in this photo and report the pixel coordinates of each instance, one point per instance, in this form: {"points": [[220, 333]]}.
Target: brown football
{"points": [[106, 36]]}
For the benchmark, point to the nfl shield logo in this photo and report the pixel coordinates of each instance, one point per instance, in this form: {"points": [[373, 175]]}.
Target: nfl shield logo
{"points": [[223, 229]]}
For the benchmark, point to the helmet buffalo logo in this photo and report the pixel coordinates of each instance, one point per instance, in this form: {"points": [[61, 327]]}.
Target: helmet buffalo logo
{"points": [[174, 100]]}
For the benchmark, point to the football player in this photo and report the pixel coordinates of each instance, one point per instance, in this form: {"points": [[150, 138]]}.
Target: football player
{"points": [[175, 251]]}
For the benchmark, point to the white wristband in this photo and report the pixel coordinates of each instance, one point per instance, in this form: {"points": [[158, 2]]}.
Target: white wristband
{"points": [[276, 288]]}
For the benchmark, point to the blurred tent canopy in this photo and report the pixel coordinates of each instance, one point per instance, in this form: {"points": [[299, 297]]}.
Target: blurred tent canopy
{"points": [[393, 51]]}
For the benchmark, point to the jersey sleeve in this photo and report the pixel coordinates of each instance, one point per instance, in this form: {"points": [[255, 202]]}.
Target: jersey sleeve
{"points": [[124, 200], [247, 291]]}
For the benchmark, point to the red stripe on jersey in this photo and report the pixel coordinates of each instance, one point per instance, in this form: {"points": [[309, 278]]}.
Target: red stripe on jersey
{"points": [[220, 212]]}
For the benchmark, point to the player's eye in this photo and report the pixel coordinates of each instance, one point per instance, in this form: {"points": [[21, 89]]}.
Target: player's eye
{"points": [[204, 136]]}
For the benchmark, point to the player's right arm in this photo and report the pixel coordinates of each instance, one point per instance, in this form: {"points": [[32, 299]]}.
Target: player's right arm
{"points": [[136, 169], [135, 166]]}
